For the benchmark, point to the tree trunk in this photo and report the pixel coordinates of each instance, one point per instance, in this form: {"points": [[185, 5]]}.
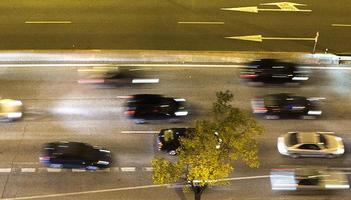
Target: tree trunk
{"points": [[198, 191]]}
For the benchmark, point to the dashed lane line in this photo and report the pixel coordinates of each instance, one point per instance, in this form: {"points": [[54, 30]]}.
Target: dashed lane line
{"points": [[54, 170], [30, 170], [148, 169], [5, 170], [128, 169]]}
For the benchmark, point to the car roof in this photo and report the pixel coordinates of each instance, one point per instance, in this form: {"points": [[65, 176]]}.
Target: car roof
{"points": [[308, 137], [69, 148]]}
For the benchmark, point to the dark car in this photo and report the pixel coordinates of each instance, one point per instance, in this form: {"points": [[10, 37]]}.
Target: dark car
{"points": [[274, 106], [143, 107], [273, 71], [74, 155], [168, 139]]}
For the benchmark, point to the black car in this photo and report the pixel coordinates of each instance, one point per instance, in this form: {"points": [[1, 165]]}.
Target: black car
{"points": [[74, 155], [273, 71], [275, 106], [168, 139], [142, 107]]}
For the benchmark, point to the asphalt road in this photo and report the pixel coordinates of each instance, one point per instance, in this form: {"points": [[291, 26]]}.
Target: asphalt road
{"points": [[174, 25], [58, 108]]}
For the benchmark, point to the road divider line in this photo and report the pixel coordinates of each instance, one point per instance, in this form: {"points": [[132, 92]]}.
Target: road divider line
{"points": [[53, 170], [148, 169], [128, 169], [48, 22], [342, 25], [5, 170], [30, 170], [202, 23], [140, 132], [79, 170]]}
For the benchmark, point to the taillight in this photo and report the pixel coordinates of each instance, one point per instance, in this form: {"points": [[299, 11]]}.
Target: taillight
{"points": [[129, 112], [44, 158]]}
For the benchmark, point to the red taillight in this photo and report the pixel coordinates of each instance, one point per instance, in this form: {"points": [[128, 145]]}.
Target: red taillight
{"points": [[44, 158], [248, 76], [129, 112]]}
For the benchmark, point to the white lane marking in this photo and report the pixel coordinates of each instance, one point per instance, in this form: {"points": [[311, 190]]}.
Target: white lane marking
{"points": [[140, 132], [260, 38], [203, 23], [87, 192], [5, 170], [244, 178], [342, 25], [53, 170], [117, 189], [55, 65], [48, 22], [128, 169], [79, 170], [148, 169], [28, 170], [155, 80]]}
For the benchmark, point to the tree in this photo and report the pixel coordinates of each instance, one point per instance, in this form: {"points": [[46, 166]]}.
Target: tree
{"points": [[206, 155]]}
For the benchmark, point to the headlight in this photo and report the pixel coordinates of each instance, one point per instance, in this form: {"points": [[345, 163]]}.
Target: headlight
{"points": [[181, 113], [281, 146], [14, 115]]}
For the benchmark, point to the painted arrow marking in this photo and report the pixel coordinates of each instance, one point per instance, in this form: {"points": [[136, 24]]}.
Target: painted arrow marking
{"points": [[260, 38], [283, 7]]}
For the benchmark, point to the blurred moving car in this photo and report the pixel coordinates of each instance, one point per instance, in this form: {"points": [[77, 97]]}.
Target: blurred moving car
{"points": [[306, 178], [284, 105], [168, 139], [310, 144], [74, 155], [273, 71], [146, 107], [112, 75], [10, 109]]}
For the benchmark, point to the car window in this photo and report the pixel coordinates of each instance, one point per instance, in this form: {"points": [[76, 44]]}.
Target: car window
{"points": [[309, 147]]}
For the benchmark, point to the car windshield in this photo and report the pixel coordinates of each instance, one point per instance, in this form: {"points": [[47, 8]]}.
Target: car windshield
{"points": [[291, 139], [323, 140]]}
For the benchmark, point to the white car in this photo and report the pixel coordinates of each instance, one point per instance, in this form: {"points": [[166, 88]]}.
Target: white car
{"points": [[307, 178], [310, 144], [10, 109]]}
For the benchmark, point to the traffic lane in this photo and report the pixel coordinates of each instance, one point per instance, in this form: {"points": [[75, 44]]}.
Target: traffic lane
{"points": [[75, 183]]}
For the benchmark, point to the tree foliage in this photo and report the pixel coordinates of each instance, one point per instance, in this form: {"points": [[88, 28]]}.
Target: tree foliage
{"points": [[207, 155]]}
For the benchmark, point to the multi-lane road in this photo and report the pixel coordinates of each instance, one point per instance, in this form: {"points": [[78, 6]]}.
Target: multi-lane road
{"points": [[58, 108], [176, 25]]}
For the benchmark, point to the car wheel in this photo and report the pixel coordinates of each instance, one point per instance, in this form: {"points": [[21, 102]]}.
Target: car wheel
{"points": [[329, 156], [92, 168], [271, 117], [59, 166], [172, 153], [294, 155], [139, 121]]}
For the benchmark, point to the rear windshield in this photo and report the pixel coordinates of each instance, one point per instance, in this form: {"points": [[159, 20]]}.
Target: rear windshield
{"points": [[323, 140], [291, 139]]}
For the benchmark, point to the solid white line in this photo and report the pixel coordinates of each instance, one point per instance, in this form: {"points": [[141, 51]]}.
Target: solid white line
{"points": [[244, 178], [6, 170], [48, 22], [140, 132], [55, 65], [342, 25], [87, 192], [53, 170], [128, 169], [203, 23], [28, 169]]}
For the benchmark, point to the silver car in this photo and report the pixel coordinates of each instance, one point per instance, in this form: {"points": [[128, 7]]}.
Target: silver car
{"points": [[308, 179], [310, 144], [10, 109]]}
